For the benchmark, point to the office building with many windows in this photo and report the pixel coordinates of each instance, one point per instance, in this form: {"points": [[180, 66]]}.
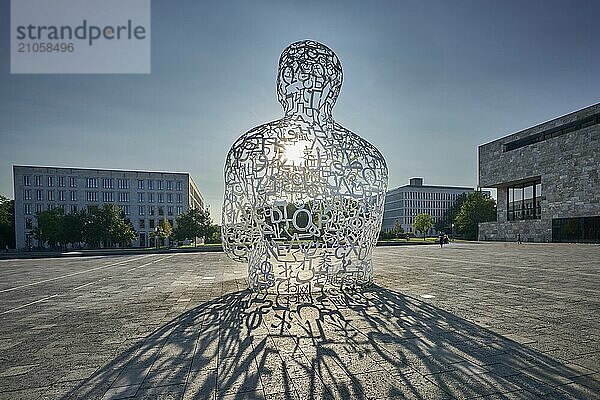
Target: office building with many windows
{"points": [[404, 203], [144, 197], [548, 181]]}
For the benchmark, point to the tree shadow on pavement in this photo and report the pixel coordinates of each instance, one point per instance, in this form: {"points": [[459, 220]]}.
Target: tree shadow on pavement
{"points": [[373, 344]]}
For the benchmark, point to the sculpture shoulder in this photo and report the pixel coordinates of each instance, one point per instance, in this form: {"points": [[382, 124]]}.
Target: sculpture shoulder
{"points": [[350, 141], [254, 139]]}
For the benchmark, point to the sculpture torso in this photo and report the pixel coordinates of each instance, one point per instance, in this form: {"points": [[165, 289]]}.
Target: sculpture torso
{"points": [[303, 204]]}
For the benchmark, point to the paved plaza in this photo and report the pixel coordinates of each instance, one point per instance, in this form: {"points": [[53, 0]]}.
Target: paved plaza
{"points": [[489, 320]]}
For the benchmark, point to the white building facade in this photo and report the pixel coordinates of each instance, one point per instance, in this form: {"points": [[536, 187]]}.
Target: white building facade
{"points": [[145, 197], [405, 202]]}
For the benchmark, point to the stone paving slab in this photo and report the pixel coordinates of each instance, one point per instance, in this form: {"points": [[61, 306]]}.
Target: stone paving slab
{"points": [[485, 320]]}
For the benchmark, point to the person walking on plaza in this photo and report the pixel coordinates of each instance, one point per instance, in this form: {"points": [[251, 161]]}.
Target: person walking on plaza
{"points": [[519, 238], [441, 237]]}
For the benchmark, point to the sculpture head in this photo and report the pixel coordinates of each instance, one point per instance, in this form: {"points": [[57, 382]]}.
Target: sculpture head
{"points": [[309, 80]]}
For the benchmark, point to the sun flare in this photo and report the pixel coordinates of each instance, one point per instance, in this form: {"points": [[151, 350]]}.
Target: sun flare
{"points": [[295, 153]]}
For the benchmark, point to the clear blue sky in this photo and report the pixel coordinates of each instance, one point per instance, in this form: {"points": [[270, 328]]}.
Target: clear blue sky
{"points": [[425, 81]]}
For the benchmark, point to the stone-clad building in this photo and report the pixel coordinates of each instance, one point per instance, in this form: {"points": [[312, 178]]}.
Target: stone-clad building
{"points": [[547, 180], [144, 197]]}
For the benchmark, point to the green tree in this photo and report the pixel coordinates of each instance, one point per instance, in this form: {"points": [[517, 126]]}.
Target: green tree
{"points": [[423, 223], [50, 227], [192, 224], [214, 235], [106, 225], [95, 227], [7, 222], [73, 228], [445, 223], [398, 230], [123, 232], [477, 207], [164, 229]]}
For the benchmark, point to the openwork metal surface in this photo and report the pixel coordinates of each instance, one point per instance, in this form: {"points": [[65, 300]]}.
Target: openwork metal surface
{"points": [[304, 196]]}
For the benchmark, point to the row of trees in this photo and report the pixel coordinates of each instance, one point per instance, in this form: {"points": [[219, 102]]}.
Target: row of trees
{"points": [[100, 226], [465, 214], [7, 222], [191, 225], [106, 226]]}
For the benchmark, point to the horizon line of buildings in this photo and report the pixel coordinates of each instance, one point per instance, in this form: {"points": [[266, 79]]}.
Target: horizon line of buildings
{"points": [[546, 177]]}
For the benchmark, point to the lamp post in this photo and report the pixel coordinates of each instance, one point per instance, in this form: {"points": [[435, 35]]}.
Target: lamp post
{"points": [[453, 232]]}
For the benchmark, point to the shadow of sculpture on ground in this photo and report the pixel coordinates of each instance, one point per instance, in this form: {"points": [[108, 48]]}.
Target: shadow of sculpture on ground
{"points": [[372, 344]]}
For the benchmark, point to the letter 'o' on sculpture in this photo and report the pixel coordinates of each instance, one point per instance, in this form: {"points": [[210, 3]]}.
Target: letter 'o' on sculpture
{"points": [[304, 196]]}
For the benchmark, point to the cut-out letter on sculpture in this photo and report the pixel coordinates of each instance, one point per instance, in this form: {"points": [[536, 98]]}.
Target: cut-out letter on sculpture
{"points": [[304, 196]]}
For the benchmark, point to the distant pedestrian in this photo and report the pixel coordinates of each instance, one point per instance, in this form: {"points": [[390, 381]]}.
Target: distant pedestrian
{"points": [[519, 238], [6, 249], [441, 237]]}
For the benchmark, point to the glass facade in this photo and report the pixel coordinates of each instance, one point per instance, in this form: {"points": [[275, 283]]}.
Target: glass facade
{"points": [[578, 229], [524, 201]]}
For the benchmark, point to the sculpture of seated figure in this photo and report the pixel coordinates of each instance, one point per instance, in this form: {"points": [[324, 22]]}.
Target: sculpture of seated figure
{"points": [[304, 196]]}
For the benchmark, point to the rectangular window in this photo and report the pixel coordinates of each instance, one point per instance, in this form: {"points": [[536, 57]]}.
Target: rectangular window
{"points": [[140, 184], [26, 180], [38, 180], [27, 208], [72, 182], [150, 184], [91, 196], [159, 183], [28, 223], [108, 196], [92, 183], [179, 210], [142, 210], [151, 223], [169, 185], [61, 181], [150, 210], [161, 198], [523, 201], [27, 194], [178, 185], [39, 207], [150, 197], [179, 198], [124, 209], [161, 211], [123, 183], [140, 197], [61, 195], [50, 181], [73, 195], [73, 208], [538, 198], [169, 197], [123, 197], [142, 223], [576, 229], [39, 195], [107, 183], [170, 210]]}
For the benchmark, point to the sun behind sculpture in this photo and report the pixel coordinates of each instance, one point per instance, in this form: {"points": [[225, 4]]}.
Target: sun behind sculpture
{"points": [[304, 196]]}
